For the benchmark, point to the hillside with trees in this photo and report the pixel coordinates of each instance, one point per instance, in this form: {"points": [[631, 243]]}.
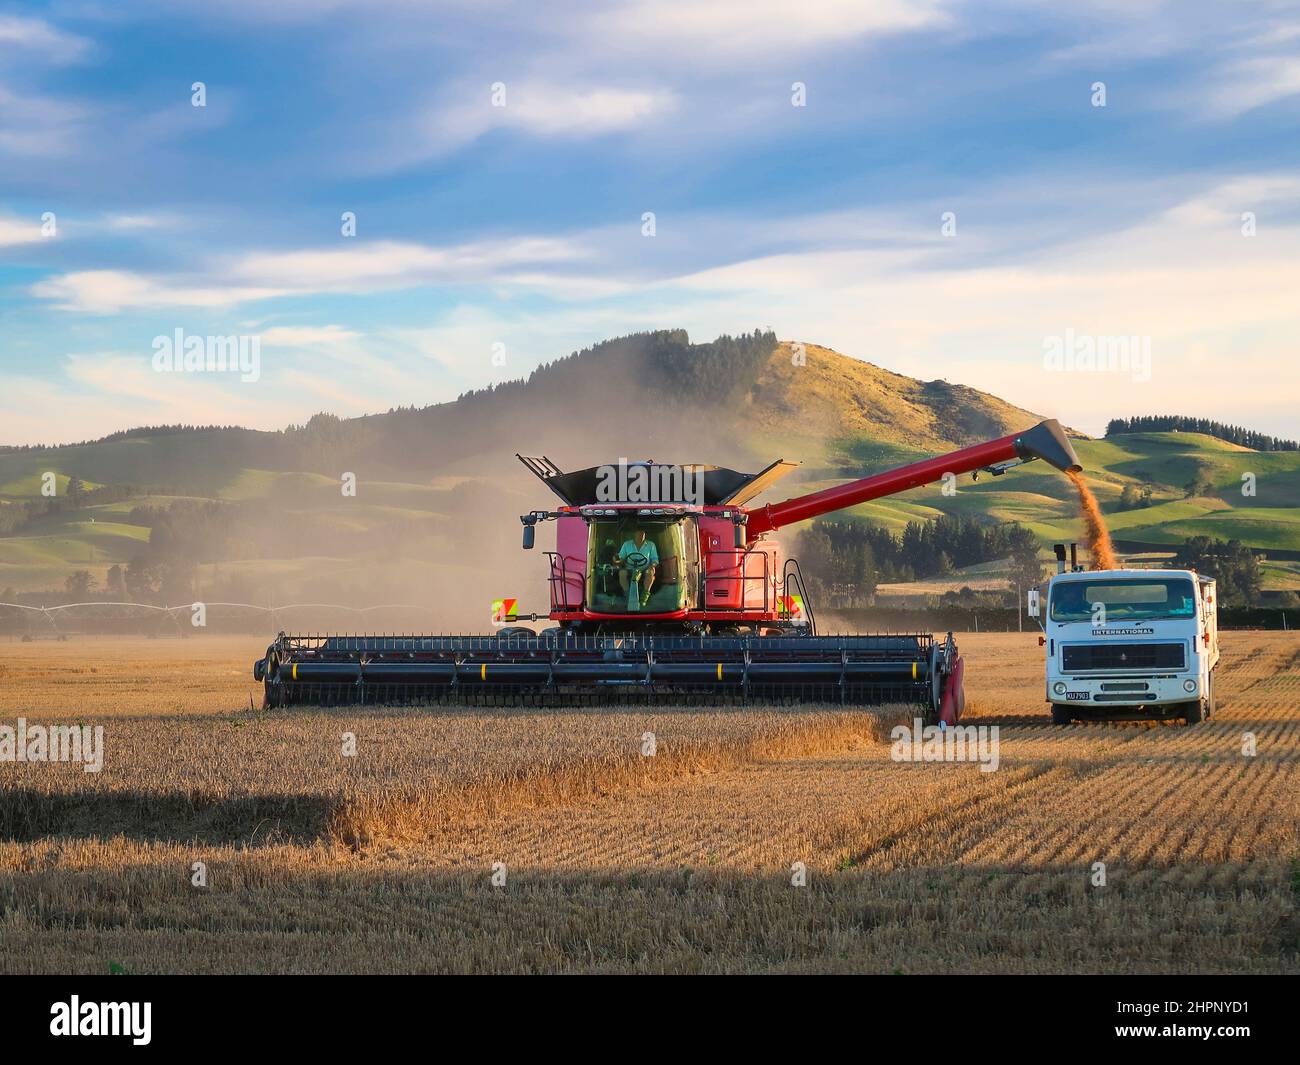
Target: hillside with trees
{"points": [[1179, 423], [172, 513]]}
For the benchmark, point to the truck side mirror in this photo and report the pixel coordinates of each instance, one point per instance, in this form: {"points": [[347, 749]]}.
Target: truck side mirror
{"points": [[740, 537], [1031, 602], [530, 535]]}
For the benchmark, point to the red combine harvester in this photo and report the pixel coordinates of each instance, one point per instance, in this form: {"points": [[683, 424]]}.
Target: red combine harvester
{"points": [[664, 587]]}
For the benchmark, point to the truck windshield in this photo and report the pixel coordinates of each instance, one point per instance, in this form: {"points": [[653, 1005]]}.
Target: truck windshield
{"points": [[1124, 600]]}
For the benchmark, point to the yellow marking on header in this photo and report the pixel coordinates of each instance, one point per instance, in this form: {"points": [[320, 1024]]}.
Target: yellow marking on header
{"points": [[295, 671], [482, 671], [719, 671], [914, 669]]}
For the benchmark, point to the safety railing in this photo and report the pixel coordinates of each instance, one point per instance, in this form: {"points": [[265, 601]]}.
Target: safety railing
{"points": [[792, 577], [741, 564], [560, 573]]}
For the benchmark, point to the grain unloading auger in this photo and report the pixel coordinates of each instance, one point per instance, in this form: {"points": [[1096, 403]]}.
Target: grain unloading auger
{"points": [[664, 587]]}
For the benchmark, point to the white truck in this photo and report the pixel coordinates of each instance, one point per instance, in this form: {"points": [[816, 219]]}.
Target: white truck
{"points": [[1128, 644]]}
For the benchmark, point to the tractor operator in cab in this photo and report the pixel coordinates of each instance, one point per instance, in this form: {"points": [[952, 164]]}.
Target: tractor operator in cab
{"points": [[637, 544]]}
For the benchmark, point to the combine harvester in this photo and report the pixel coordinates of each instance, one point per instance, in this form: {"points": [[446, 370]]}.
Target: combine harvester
{"points": [[667, 592]]}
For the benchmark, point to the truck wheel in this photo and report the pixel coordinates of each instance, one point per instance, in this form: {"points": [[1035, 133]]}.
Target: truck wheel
{"points": [[1061, 714], [1193, 712]]}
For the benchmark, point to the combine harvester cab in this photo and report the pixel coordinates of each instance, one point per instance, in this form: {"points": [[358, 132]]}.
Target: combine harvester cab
{"points": [[664, 587]]}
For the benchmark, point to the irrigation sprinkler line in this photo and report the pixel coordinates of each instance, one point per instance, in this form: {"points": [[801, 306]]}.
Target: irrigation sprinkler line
{"points": [[246, 606]]}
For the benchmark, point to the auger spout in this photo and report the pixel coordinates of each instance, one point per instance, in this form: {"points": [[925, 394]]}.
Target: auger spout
{"points": [[1046, 441]]}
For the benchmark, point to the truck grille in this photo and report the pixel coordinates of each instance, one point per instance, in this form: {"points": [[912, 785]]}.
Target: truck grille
{"points": [[1077, 658]]}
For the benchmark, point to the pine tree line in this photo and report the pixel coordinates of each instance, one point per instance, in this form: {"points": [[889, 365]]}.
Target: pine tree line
{"points": [[1167, 423]]}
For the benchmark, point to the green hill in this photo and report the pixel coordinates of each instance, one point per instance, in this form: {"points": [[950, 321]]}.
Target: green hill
{"points": [[439, 491]]}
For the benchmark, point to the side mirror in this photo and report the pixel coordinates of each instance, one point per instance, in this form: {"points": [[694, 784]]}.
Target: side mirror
{"points": [[1031, 604], [530, 537], [740, 537]]}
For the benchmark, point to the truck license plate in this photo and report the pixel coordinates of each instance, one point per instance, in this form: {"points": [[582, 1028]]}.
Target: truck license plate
{"points": [[1077, 697]]}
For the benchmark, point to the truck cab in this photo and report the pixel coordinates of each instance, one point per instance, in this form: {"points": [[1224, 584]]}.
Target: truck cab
{"points": [[1128, 644]]}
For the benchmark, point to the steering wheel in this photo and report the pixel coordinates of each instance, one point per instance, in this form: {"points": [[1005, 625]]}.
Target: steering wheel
{"points": [[637, 561]]}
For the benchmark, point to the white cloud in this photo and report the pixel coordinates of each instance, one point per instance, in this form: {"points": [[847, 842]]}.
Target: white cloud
{"points": [[39, 126], [287, 336], [33, 125], [103, 391], [127, 222], [533, 107], [122, 376], [749, 27], [658, 39], [36, 39], [18, 231], [719, 28], [352, 268], [364, 265], [550, 111], [1218, 306], [1244, 86], [1281, 32], [109, 291]]}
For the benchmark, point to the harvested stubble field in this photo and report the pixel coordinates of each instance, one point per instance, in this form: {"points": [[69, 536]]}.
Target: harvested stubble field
{"points": [[613, 861]]}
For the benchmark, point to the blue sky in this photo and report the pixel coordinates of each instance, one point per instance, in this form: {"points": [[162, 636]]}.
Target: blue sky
{"points": [[491, 238]]}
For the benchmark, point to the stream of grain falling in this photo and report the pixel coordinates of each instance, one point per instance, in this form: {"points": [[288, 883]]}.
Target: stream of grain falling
{"points": [[1100, 549]]}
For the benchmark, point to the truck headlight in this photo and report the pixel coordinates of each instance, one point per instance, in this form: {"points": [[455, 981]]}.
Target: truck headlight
{"points": [[1059, 687], [1189, 686]]}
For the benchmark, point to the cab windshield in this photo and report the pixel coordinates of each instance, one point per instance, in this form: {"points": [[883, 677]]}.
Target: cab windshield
{"points": [[1123, 600], [639, 565]]}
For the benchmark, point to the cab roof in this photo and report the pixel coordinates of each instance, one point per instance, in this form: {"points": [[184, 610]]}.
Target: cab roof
{"points": [[1126, 574]]}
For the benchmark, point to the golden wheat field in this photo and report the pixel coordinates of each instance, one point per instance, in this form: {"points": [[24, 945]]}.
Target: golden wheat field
{"points": [[608, 860]]}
